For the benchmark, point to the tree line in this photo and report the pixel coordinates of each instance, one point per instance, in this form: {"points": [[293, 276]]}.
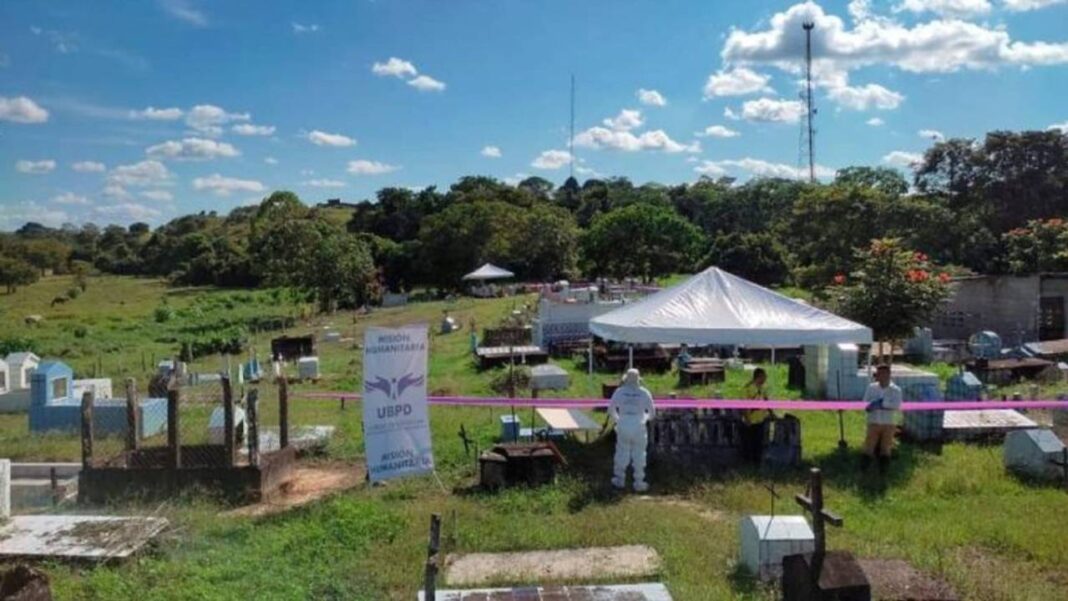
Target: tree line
{"points": [[990, 206]]}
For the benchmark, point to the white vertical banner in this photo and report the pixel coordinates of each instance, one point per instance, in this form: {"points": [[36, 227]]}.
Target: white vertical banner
{"points": [[396, 424]]}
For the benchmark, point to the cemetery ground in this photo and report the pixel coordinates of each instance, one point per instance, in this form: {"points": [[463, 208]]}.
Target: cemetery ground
{"points": [[953, 511]]}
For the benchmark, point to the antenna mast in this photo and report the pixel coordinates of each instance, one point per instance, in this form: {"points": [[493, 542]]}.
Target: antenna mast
{"points": [[807, 130], [571, 139]]}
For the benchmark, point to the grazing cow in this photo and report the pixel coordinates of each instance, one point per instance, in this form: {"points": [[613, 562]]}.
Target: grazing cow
{"points": [[32, 320], [59, 300]]}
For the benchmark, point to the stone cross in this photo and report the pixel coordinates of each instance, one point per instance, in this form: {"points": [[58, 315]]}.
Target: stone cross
{"points": [[813, 503]]}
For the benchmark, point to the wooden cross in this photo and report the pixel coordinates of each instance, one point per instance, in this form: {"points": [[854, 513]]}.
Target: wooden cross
{"points": [[467, 440], [813, 503]]}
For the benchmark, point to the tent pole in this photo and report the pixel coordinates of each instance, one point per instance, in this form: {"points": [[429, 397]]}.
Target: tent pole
{"points": [[630, 356], [589, 358], [773, 355]]}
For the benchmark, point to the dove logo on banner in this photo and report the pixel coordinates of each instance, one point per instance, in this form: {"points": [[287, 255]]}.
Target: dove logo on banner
{"points": [[396, 426]]}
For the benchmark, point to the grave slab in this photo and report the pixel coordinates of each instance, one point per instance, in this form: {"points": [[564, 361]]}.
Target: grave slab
{"points": [[962, 425], [1032, 452], [474, 569], [616, 592], [76, 537], [897, 580]]}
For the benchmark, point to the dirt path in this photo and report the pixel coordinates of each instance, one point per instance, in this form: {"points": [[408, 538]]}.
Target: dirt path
{"points": [[310, 483]]}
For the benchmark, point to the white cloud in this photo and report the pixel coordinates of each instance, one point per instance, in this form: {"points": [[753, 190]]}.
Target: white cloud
{"points": [[224, 186], [492, 152], [154, 114], [116, 191], [395, 67], [551, 159], [515, 179], [191, 149], [208, 119], [270, 161], [939, 46], [15, 215], [1025, 5], [603, 138], [651, 97], [736, 82], [1062, 127], [902, 159], [309, 28], [128, 211], [718, 131], [425, 83], [932, 134], [248, 129], [866, 97], [759, 168], [184, 11], [321, 138], [770, 110], [158, 195], [364, 167], [35, 167], [70, 198], [626, 120], [325, 183], [860, 10], [144, 173], [88, 167], [946, 8], [21, 109], [875, 122]]}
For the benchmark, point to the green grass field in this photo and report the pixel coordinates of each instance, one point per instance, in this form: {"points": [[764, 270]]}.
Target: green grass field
{"points": [[952, 511]]}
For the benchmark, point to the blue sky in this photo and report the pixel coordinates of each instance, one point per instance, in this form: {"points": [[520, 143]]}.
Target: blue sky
{"points": [[127, 111]]}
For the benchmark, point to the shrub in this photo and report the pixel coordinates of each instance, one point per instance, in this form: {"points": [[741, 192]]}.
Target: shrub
{"points": [[163, 313]]}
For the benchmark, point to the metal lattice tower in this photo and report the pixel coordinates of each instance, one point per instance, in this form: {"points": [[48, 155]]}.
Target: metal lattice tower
{"points": [[571, 139], [807, 152]]}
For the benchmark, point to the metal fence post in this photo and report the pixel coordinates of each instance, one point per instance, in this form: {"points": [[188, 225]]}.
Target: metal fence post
{"points": [[174, 441], [228, 420], [432, 559], [283, 412]]}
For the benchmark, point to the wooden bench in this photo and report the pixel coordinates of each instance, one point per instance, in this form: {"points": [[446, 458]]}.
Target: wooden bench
{"points": [[703, 372]]}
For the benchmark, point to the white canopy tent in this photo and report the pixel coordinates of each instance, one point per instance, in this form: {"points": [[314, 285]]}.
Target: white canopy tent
{"points": [[489, 272], [716, 307]]}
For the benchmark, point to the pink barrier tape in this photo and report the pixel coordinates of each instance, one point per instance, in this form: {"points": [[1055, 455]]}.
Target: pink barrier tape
{"points": [[669, 403]]}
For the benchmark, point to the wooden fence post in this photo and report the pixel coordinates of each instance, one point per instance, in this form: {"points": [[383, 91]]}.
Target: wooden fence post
{"points": [[133, 432], [87, 429], [228, 420], [253, 420], [174, 441], [283, 412], [432, 560]]}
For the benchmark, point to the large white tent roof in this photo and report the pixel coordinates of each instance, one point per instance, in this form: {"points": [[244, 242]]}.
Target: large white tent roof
{"points": [[715, 307], [489, 272]]}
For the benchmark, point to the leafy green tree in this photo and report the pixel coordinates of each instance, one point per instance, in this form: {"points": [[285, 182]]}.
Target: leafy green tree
{"points": [[463, 236], [16, 272], [640, 240], [1040, 246], [828, 225], [756, 256], [892, 291], [883, 179], [46, 254], [343, 273]]}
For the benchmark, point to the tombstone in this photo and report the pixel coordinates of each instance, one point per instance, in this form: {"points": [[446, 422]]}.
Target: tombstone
{"points": [[767, 539], [822, 575], [548, 377], [216, 430], [964, 386], [332, 336], [783, 449], [308, 368], [1034, 453]]}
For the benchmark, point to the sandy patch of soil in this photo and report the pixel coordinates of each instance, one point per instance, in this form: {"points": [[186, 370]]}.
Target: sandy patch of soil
{"points": [[310, 483], [897, 580], [630, 561]]}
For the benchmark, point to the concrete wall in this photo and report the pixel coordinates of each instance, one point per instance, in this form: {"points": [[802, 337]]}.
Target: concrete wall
{"points": [[1007, 305], [1057, 285]]}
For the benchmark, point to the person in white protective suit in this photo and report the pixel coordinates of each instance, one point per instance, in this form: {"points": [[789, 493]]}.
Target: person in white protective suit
{"points": [[631, 409]]}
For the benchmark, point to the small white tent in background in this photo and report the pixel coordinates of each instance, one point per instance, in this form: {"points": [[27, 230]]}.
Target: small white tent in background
{"points": [[482, 276], [717, 308], [5, 378], [488, 271]]}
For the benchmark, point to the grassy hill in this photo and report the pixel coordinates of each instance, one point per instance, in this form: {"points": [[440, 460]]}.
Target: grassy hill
{"points": [[953, 511]]}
